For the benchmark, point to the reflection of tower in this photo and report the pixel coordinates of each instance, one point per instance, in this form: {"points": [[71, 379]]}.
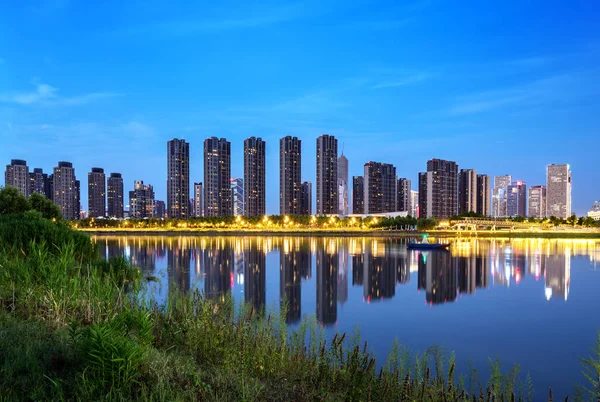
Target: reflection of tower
{"points": [[482, 276], [218, 264], [290, 269], [342, 279], [358, 266], [379, 272], [437, 275], [327, 271], [142, 256], [255, 277], [178, 263], [467, 274], [558, 275], [403, 274]]}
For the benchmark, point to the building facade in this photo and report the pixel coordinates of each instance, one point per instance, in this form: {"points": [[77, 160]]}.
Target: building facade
{"points": [[66, 190], [115, 196], [438, 188], [327, 189], [141, 201], [160, 209], [237, 195], [96, 193], [558, 191], [403, 199], [290, 181], [217, 172], [499, 195], [467, 191], [516, 199], [17, 176], [537, 202], [342, 185], [254, 177], [39, 183], [380, 187], [414, 203], [594, 213], [198, 200], [178, 178], [483, 194], [306, 198], [358, 195]]}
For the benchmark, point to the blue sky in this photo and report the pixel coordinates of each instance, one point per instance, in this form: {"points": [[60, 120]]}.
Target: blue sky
{"points": [[503, 88]]}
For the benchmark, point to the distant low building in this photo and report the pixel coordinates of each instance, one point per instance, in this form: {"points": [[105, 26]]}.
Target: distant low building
{"points": [[595, 211]]}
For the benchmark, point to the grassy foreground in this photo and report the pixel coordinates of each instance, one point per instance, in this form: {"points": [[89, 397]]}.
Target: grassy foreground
{"points": [[73, 328]]}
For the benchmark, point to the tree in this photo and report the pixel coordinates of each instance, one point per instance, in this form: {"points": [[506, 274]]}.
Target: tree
{"points": [[12, 202], [48, 208]]}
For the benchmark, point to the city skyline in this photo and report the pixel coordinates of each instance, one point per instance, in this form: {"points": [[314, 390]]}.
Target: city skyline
{"points": [[101, 86], [505, 201]]}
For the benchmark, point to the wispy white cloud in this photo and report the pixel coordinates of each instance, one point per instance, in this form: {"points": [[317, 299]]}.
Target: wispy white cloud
{"points": [[249, 18], [405, 80], [45, 94], [42, 92], [557, 88]]}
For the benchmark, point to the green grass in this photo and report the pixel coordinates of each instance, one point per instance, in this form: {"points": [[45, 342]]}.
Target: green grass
{"points": [[72, 327]]}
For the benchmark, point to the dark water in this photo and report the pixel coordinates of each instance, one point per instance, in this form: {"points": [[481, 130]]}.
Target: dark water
{"points": [[530, 302]]}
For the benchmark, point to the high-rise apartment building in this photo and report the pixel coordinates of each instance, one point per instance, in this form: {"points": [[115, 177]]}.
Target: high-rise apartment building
{"points": [[237, 195], [467, 191], [198, 200], [403, 199], [499, 195], [558, 191], [178, 178], [594, 213], [414, 203], [342, 175], [290, 182], [115, 196], [160, 209], [217, 172], [516, 199], [254, 177], [79, 213], [438, 189], [483, 194], [306, 198], [380, 188], [141, 201], [327, 189], [358, 195], [39, 183], [537, 202], [17, 176], [96, 193], [65, 189]]}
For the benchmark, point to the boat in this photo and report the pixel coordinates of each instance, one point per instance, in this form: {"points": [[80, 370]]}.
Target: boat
{"points": [[426, 245]]}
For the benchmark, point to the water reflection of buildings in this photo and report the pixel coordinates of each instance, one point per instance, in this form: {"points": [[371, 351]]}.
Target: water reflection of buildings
{"points": [[342, 295], [473, 273], [294, 264], [218, 266], [379, 271], [255, 276], [179, 260], [327, 274], [558, 276], [437, 275]]}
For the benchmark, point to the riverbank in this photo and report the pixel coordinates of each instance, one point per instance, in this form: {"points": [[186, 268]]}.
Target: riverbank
{"points": [[75, 327], [550, 234]]}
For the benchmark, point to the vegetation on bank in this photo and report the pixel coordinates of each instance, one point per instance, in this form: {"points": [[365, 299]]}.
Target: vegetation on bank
{"points": [[72, 327]]}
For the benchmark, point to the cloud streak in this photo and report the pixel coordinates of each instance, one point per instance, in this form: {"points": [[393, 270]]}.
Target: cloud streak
{"points": [[401, 82], [47, 95]]}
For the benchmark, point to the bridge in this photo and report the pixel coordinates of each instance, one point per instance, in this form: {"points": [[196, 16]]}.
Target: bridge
{"points": [[493, 224]]}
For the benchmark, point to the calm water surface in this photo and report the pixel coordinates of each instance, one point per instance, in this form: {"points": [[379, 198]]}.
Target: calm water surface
{"points": [[530, 302]]}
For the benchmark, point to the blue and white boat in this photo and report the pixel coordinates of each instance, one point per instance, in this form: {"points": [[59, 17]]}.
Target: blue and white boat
{"points": [[426, 245]]}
